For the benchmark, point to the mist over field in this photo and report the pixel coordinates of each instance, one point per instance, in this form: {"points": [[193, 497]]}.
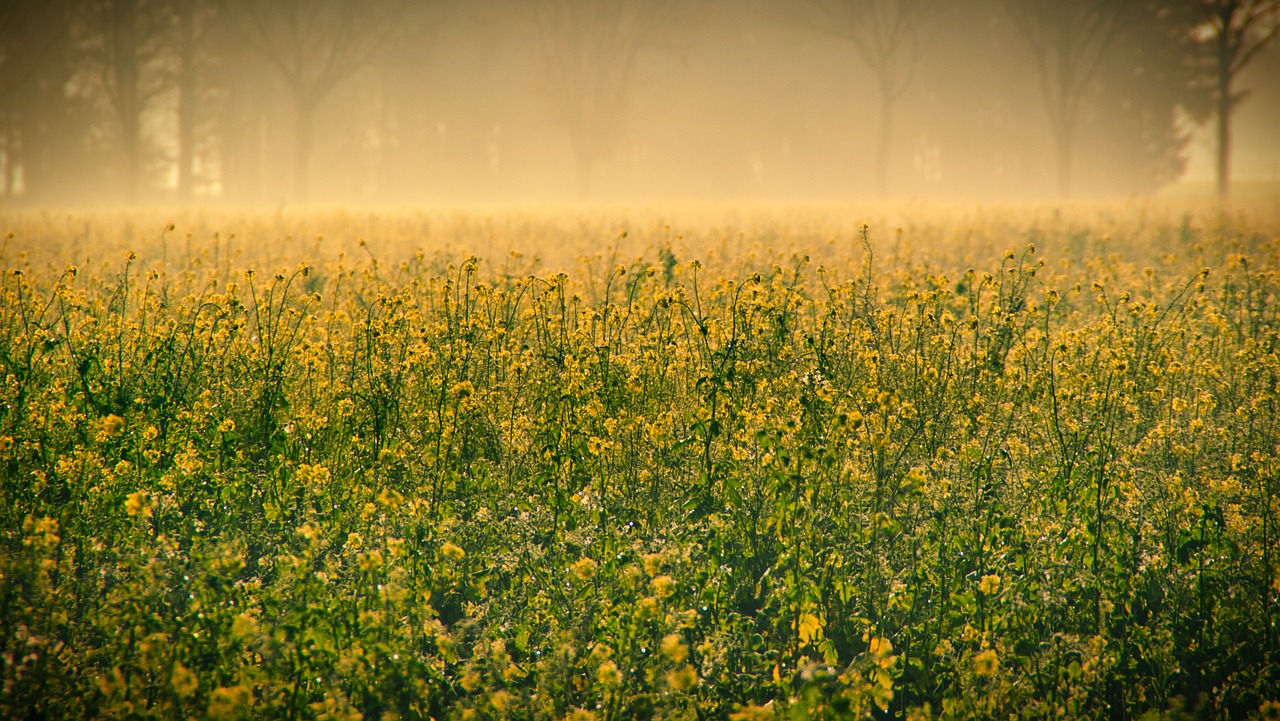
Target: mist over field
{"points": [[405, 102]]}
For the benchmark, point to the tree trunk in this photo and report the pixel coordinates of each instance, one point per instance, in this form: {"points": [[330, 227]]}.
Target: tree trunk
{"points": [[6, 155], [125, 68], [186, 99], [1224, 121]]}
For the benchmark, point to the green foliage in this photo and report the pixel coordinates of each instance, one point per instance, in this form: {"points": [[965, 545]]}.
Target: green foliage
{"points": [[763, 487]]}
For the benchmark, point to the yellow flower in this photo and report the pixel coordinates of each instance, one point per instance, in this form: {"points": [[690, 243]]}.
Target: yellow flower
{"points": [[500, 700], [648, 606], [452, 551], [390, 498], [137, 504], [584, 569], [990, 584], [470, 680], [753, 713], [881, 646], [184, 682], [369, 561], [673, 647], [663, 586], [112, 426], [395, 546], [653, 563], [683, 678], [1269, 711], [228, 702], [608, 674], [986, 663]]}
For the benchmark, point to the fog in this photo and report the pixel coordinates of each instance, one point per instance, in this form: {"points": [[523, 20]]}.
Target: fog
{"points": [[398, 102]]}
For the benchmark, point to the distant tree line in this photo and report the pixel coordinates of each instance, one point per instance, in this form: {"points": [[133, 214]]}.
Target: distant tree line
{"points": [[144, 100]]}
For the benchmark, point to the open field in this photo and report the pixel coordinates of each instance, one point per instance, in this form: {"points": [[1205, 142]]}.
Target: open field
{"points": [[694, 463]]}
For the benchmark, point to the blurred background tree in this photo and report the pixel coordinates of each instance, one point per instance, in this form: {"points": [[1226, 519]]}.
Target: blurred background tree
{"points": [[584, 61], [1233, 32], [889, 37]]}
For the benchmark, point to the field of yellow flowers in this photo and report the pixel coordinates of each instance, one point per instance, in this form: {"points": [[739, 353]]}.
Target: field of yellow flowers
{"points": [[737, 464]]}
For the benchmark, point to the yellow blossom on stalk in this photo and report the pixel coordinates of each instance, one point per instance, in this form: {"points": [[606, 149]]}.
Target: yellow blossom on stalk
{"points": [[989, 584], [184, 681], [470, 680], [316, 475], [663, 586], [584, 569], [652, 563], [137, 504], [395, 546], [501, 701], [1269, 711], [390, 498], [112, 426], [452, 551], [673, 647], [683, 678], [608, 674], [986, 662], [754, 713], [229, 702], [369, 561]]}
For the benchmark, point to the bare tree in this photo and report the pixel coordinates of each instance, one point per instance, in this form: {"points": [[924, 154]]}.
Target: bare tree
{"points": [[193, 20], [1236, 31], [33, 39], [888, 36], [584, 63], [314, 45], [124, 45], [1068, 41]]}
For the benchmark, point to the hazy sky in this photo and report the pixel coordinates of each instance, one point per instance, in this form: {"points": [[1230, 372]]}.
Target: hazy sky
{"points": [[751, 99]]}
